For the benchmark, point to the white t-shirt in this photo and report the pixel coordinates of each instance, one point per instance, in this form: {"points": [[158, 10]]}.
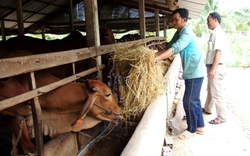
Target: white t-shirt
{"points": [[217, 41]]}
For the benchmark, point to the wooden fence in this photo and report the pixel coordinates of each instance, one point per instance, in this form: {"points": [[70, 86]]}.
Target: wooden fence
{"points": [[29, 64]]}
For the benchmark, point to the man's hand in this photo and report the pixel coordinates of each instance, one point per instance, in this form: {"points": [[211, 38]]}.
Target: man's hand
{"points": [[211, 74], [154, 61]]}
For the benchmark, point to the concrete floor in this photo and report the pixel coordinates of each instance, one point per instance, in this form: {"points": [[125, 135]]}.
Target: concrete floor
{"points": [[226, 139]]}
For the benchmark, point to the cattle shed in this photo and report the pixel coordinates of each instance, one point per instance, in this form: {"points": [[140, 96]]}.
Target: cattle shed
{"points": [[19, 17], [63, 16]]}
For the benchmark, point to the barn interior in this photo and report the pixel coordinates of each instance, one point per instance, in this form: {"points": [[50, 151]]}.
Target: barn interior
{"points": [[64, 16], [19, 17]]}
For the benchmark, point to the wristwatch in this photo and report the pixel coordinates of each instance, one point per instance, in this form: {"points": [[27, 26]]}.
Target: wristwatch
{"points": [[156, 59]]}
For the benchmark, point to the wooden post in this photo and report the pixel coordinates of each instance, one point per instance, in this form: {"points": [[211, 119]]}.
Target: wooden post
{"points": [[141, 5], [19, 12], [43, 35], [37, 119], [92, 28], [164, 26], [71, 19], [3, 30], [157, 22], [92, 25]]}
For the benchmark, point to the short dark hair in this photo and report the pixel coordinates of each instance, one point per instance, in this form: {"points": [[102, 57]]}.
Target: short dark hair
{"points": [[215, 15], [182, 11]]}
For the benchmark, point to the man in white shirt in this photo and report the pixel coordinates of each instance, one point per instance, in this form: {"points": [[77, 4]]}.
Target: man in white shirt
{"points": [[217, 50]]}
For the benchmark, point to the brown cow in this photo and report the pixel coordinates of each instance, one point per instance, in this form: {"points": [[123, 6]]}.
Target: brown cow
{"points": [[11, 87], [74, 40], [70, 104], [72, 107], [129, 37], [106, 35]]}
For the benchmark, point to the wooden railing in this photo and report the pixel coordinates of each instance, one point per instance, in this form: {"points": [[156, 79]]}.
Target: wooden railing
{"points": [[29, 64]]}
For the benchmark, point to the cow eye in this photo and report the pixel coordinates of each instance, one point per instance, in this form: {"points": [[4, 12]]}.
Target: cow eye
{"points": [[107, 95], [94, 89]]}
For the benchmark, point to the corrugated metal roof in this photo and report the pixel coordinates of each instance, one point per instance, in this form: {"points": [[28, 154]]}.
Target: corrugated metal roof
{"points": [[53, 17], [195, 7]]}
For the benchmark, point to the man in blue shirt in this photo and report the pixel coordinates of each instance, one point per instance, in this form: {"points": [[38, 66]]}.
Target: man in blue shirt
{"points": [[186, 44]]}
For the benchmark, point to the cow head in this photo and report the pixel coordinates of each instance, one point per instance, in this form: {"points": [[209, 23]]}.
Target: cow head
{"points": [[106, 35], [11, 87], [100, 103]]}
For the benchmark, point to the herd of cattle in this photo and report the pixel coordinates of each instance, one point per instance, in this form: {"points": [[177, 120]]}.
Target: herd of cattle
{"points": [[72, 107]]}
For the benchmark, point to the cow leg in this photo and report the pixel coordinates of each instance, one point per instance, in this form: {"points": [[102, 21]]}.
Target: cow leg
{"points": [[24, 141]]}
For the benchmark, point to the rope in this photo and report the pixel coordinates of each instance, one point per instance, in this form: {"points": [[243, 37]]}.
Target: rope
{"points": [[94, 140], [107, 111], [18, 137]]}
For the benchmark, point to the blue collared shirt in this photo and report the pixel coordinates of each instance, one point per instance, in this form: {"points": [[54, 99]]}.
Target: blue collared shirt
{"points": [[186, 43]]}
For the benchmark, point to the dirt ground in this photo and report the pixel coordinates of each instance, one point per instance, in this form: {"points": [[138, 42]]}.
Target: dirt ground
{"points": [[230, 138]]}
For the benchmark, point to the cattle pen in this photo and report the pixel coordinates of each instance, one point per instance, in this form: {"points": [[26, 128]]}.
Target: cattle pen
{"points": [[72, 143]]}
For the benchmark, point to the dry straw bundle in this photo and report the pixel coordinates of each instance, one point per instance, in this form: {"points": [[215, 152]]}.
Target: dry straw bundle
{"points": [[143, 81]]}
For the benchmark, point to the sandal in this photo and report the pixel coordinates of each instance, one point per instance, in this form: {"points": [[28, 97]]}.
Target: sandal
{"points": [[217, 121], [186, 135], [200, 130], [205, 112]]}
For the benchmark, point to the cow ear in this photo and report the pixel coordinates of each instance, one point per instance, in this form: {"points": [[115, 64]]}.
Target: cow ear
{"points": [[86, 85], [90, 87]]}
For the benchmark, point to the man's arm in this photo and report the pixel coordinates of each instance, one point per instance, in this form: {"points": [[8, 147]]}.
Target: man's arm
{"points": [[215, 64], [164, 54]]}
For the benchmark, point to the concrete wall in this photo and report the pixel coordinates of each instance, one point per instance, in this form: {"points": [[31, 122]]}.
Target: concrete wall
{"points": [[148, 137]]}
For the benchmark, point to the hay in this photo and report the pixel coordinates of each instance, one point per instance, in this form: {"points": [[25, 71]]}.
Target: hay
{"points": [[143, 81]]}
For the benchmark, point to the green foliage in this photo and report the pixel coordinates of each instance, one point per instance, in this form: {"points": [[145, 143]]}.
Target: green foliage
{"points": [[236, 24]]}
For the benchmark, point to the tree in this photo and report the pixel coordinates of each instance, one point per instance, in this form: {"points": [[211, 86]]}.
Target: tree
{"points": [[200, 23]]}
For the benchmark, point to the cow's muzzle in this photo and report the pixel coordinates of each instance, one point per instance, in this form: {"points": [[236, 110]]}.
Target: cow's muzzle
{"points": [[118, 116]]}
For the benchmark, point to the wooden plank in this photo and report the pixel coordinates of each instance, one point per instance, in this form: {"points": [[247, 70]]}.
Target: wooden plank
{"points": [[19, 65], [15, 66], [39, 91]]}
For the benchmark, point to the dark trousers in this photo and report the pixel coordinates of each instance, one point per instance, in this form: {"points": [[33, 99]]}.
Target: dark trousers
{"points": [[192, 104]]}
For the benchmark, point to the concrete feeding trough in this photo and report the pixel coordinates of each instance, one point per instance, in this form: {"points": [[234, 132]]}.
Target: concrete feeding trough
{"points": [[149, 135]]}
